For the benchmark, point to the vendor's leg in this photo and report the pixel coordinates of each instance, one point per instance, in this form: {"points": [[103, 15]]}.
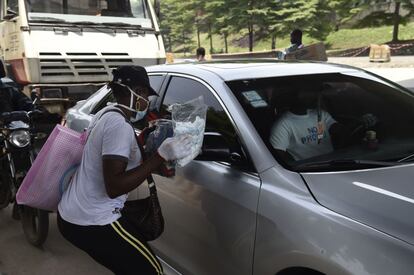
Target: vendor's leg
{"points": [[115, 246]]}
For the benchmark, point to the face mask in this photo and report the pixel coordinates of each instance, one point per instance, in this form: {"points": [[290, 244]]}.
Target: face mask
{"points": [[138, 114]]}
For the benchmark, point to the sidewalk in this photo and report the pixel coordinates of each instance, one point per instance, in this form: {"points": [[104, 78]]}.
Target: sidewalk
{"points": [[363, 62], [400, 69]]}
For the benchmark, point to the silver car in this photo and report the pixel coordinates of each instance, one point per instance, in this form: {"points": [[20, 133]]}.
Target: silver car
{"points": [[242, 209]]}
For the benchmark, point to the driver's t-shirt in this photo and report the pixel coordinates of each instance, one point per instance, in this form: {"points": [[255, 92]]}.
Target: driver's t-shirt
{"points": [[298, 134], [86, 201]]}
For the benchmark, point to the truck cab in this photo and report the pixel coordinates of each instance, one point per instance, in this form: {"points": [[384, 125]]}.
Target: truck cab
{"points": [[66, 49]]}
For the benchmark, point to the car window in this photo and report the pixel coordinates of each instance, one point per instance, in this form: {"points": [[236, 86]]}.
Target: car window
{"points": [[181, 89], [312, 119], [13, 5], [155, 82]]}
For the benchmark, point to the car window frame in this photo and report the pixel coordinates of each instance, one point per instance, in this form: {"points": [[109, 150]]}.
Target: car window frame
{"points": [[163, 92]]}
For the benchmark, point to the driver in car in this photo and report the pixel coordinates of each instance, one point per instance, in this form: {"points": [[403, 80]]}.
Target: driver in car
{"points": [[305, 131]]}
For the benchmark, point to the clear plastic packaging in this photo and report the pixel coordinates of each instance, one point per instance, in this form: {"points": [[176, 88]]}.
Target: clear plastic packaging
{"points": [[190, 118], [160, 130]]}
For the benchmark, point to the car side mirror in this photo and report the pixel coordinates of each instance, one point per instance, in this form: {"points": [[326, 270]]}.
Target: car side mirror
{"points": [[216, 148], [10, 14]]}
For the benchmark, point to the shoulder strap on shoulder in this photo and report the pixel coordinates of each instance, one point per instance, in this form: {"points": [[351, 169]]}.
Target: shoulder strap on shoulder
{"points": [[116, 110]]}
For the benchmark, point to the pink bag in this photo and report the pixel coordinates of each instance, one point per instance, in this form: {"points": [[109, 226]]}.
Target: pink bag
{"points": [[52, 169]]}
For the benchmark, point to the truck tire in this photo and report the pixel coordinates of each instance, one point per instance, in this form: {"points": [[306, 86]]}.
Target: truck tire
{"points": [[35, 224]]}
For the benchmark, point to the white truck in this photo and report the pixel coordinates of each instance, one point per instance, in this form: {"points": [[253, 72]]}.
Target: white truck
{"points": [[65, 49]]}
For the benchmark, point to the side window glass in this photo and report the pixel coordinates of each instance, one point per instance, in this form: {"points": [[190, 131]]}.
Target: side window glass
{"points": [[182, 89], [13, 5], [156, 82]]}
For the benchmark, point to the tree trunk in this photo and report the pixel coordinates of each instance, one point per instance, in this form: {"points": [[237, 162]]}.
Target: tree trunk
{"points": [[198, 36], [210, 34], [185, 44], [250, 37], [273, 42], [396, 21], [65, 6], [226, 48]]}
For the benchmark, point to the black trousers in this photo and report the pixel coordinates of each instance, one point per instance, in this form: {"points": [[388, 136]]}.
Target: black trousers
{"points": [[117, 246]]}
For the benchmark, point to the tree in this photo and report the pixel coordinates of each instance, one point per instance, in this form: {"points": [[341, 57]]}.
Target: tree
{"points": [[342, 11], [313, 17], [398, 18], [177, 23], [216, 11], [387, 13], [242, 17]]}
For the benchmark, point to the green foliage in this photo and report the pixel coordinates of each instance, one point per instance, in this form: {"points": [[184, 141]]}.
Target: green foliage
{"points": [[177, 23], [257, 23]]}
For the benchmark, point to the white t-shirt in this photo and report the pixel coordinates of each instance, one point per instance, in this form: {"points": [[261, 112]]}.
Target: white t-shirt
{"points": [[298, 134], [86, 202]]}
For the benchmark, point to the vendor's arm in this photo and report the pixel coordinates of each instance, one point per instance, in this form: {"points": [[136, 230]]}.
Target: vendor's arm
{"points": [[116, 148], [119, 182]]}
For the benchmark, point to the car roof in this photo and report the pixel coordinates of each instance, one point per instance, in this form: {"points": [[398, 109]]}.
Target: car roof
{"points": [[248, 69]]}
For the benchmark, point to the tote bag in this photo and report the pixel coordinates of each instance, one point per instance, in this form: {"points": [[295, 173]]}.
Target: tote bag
{"points": [[52, 169]]}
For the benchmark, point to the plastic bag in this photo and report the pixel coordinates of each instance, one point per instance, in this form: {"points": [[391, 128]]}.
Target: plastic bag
{"points": [[152, 137], [159, 130], [190, 118]]}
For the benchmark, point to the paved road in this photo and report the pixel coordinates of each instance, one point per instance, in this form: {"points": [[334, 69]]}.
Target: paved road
{"points": [[400, 69], [403, 76], [363, 62], [57, 256]]}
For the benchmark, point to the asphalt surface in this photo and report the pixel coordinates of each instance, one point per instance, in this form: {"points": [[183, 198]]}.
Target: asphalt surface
{"points": [[57, 256], [400, 69]]}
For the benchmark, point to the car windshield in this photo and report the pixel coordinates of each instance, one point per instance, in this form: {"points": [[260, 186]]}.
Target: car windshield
{"points": [[128, 12], [335, 121]]}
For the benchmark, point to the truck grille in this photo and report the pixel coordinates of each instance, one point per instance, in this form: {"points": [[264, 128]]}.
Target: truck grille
{"points": [[83, 65]]}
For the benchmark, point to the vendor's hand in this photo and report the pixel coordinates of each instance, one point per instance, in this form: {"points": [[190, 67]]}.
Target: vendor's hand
{"points": [[369, 120], [175, 148]]}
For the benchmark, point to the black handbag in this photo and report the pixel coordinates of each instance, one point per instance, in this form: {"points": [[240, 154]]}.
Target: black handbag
{"points": [[145, 214]]}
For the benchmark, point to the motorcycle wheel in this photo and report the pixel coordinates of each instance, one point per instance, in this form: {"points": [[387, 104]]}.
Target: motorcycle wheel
{"points": [[5, 192], [35, 224]]}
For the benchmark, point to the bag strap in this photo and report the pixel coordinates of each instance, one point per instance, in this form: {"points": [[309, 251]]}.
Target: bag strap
{"points": [[116, 110], [150, 179]]}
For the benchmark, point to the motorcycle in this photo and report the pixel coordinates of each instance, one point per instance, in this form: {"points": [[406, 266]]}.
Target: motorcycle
{"points": [[17, 153]]}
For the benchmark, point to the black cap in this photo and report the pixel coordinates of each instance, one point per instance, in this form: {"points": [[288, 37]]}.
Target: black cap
{"points": [[132, 76]]}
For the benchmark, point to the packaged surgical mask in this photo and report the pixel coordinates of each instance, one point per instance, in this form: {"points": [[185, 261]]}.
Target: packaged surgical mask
{"points": [[190, 118]]}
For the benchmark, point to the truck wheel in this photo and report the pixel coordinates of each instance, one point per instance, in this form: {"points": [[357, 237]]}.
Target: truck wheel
{"points": [[35, 224]]}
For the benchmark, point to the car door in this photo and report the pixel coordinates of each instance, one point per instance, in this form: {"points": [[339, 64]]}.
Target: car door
{"points": [[209, 206]]}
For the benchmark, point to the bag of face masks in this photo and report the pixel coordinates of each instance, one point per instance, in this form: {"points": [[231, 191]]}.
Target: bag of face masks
{"points": [[190, 118], [152, 137]]}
